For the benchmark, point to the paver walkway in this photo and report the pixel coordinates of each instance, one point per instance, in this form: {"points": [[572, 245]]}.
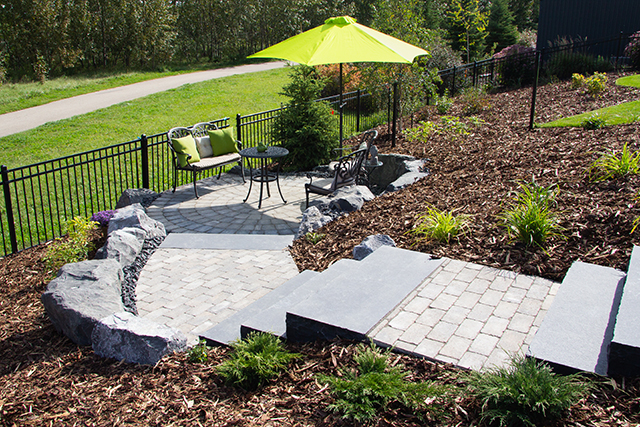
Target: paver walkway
{"points": [[469, 315], [463, 313], [29, 118]]}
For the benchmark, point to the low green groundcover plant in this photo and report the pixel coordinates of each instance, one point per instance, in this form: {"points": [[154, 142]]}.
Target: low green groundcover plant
{"points": [[199, 353], [525, 393], [362, 393], [529, 217], [255, 360], [440, 225], [75, 247], [611, 165]]}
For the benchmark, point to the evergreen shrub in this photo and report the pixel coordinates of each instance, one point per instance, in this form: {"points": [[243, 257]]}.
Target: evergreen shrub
{"points": [[308, 129]]}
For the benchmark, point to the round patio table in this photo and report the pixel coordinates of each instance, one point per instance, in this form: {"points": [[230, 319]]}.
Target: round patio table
{"points": [[263, 176]]}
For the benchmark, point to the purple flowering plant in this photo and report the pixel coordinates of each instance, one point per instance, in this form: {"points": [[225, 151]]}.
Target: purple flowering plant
{"points": [[103, 217]]}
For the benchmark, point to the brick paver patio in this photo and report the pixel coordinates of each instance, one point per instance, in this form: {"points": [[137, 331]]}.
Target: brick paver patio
{"points": [[467, 314]]}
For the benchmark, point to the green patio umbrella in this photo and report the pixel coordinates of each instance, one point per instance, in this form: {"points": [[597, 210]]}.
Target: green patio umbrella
{"points": [[342, 40]]}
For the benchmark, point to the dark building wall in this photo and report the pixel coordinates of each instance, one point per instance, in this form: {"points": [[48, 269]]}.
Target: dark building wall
{"points": [[593, 19]]}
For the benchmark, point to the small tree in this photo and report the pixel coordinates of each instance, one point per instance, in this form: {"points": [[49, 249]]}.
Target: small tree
{"points": [[467, 24], [502, 31], [308, 129]]}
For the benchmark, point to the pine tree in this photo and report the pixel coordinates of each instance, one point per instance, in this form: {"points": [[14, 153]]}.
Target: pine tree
{"points": [[502, 31], [466, 26]]}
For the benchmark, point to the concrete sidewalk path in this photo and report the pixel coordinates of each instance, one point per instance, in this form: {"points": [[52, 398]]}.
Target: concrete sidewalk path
{"points": [[20, 121]]}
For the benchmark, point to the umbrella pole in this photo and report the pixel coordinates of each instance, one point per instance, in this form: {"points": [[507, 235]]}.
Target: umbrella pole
{"points": [[341, 105]]}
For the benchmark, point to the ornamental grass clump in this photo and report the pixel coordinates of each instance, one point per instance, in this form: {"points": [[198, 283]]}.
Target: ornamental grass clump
{"points": [[529, 217], [612, 165], [525, 393], [362, 393], [593, 122], [255, 360], [440, 225]]}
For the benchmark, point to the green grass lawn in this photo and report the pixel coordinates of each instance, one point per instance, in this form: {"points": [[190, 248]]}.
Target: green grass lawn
{"points": [[183, 106], [628, 112], [18, 96]]}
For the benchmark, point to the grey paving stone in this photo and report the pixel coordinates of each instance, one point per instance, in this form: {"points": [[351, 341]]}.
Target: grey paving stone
{"points": [[469, 328], [415, 333], [442, 332], [484, 344], [495, 326], [456, 314], [491, 297], [403, 320], [429, 348], [521, 322], [455, 347], [444, 301], [505, 309], [431, 316], [467, 274], [481, 312], [471, 360], [577, 330], [467, 300], [418, 305]]}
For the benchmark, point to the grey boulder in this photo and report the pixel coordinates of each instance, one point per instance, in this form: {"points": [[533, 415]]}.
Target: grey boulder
{"points": [[350, 198], [136, 217], [81, 295], [144, 196], [123, 245], [370, 244], [405, 180], [312, 219], [124, 336]]}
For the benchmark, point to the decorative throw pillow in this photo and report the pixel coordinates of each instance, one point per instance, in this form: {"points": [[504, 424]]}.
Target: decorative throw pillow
{"points": [[204, 146], [184, 146], [222, 141]]}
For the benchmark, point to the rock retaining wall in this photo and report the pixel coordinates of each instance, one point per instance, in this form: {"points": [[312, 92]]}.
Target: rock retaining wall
{"points": [[87, 302]]}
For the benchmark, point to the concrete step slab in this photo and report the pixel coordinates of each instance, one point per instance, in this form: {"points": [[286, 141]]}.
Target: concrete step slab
{"points": [[228, 330], [349, 307], [624, 354], [264, 242], [576, 331], [272, 319]]}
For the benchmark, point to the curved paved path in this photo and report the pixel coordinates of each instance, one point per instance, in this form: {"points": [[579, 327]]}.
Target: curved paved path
{"points": [[20, 121]]}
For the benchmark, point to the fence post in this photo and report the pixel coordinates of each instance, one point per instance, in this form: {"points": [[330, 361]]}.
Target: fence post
{"points": [[618, 50], [7, 201], [239, 131], [358, 113], [395, 114], [475, 73], [453, 82], [535, 90], [388, 107], [144, 147]]}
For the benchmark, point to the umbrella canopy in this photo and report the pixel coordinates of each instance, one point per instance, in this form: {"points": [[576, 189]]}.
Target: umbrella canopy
{"points": [[342, 40]]}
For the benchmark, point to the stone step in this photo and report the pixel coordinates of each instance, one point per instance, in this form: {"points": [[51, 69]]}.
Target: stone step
{"points": [[228, 330], [576, 331], [258, 242], [624, 354], [272, 319], [350, 305]]}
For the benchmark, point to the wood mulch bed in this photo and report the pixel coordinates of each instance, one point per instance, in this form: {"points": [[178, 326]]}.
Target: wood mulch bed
{"points": [[46, 380], [478, 173]]}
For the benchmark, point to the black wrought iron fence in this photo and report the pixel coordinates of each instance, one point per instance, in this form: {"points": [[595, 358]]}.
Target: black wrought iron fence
{"points": [[37, 200], [559, 60]]}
